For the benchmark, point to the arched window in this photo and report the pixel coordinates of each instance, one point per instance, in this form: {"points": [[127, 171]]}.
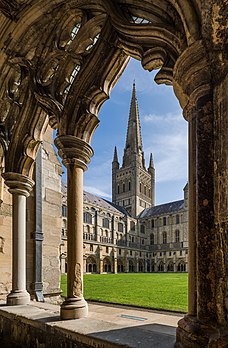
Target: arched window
{"points": [[140, 187], [164, 237], [164, 221], [142, 228], [177, 219], [87, 218], [105, 223], [118, 189], [151, 239], [177, 236], [120, 227], [123, 187], [144, 190], [129, 185], [152, 223]]}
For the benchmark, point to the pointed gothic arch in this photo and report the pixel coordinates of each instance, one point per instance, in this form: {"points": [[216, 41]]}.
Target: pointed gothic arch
{"points": [[182, 39]]}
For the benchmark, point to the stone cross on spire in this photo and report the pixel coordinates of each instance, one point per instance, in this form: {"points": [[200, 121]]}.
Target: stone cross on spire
{"points": [[133, 146]]}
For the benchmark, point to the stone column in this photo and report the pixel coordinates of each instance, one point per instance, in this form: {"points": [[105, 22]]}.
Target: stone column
{"points": [[75, 154], [20, 187], [101, 266], [190, 116], [205, 325]]}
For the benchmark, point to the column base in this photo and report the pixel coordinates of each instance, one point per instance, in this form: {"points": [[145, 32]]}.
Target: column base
{"points": [[18, 298], [191, 333], [74, 308]]}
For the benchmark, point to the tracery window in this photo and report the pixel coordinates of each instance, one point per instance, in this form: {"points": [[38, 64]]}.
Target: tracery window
{"points": [[164, 238], [87, 218], [105, 223], [120, 227]]}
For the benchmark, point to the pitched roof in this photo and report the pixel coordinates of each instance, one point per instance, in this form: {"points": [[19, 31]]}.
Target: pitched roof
{"points": [[103, 203], [167, 208]]}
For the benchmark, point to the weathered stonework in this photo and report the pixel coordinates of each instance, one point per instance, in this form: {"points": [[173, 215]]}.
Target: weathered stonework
{"points": [[48, 53], [51, 216]]}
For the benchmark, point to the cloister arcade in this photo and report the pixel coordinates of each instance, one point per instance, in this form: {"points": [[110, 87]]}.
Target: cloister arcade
{"points": [[48, 53]]}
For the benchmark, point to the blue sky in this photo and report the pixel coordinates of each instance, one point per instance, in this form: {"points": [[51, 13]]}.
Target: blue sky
{"points": [[164, 133]]}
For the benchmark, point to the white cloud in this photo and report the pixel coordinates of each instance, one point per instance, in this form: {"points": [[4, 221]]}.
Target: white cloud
{"points": [[97, 191], [168, 144], [164, 119]]}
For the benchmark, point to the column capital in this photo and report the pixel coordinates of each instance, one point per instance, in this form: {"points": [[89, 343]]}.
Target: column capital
{"points": [[18, 183], [74, 150], [192, 75]]}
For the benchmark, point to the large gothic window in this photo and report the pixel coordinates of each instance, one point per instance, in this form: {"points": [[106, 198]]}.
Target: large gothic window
{"points": [[87, 218], [105, 223], [120, 227]]}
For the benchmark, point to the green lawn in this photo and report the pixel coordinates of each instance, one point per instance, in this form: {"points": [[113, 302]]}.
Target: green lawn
{"points": [[150, 290]]}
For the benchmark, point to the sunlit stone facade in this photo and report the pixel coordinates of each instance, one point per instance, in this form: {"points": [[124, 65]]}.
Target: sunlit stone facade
{"points": [[131, 234]]}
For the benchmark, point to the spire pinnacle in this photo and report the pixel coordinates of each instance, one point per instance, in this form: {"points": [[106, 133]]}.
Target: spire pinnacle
{"points": [[151, 163], [115, 157]]}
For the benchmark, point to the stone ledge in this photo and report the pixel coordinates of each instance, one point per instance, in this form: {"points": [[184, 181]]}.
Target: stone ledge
{"points": [[39, 325]]}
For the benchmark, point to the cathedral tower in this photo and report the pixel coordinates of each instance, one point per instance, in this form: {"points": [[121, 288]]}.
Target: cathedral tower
{"points": [[132, 184]]}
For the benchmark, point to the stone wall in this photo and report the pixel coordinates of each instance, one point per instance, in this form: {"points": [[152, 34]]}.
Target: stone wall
{"points": [[51, 227], [5, 240]]}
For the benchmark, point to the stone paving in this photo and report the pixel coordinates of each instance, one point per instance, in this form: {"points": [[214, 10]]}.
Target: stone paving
{"points": [[106, 325]]}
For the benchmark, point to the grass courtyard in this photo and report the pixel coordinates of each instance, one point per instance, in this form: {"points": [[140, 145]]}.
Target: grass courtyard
{"points": [[166, 291]]}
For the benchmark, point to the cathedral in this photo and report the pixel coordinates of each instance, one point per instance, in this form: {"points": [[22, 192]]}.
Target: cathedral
{"points": [[131, 233], [59, 61]]}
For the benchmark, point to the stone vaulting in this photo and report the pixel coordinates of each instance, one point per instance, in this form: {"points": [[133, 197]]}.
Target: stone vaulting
{"points": [[59, 61]]}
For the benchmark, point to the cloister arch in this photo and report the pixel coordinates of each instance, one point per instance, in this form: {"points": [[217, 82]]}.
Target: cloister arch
{"points": [[48, 76], [91, 265], [107, 265]]}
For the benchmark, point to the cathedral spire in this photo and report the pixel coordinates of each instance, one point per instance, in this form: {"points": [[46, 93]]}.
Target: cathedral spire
{"points": [[133, 147]]}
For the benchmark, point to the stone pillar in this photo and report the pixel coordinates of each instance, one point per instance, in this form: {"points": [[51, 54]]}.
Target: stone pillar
{"points": [[75, 154], [190, 115], [20, 187], [101, 266], [205, 325], [137, 265]]}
